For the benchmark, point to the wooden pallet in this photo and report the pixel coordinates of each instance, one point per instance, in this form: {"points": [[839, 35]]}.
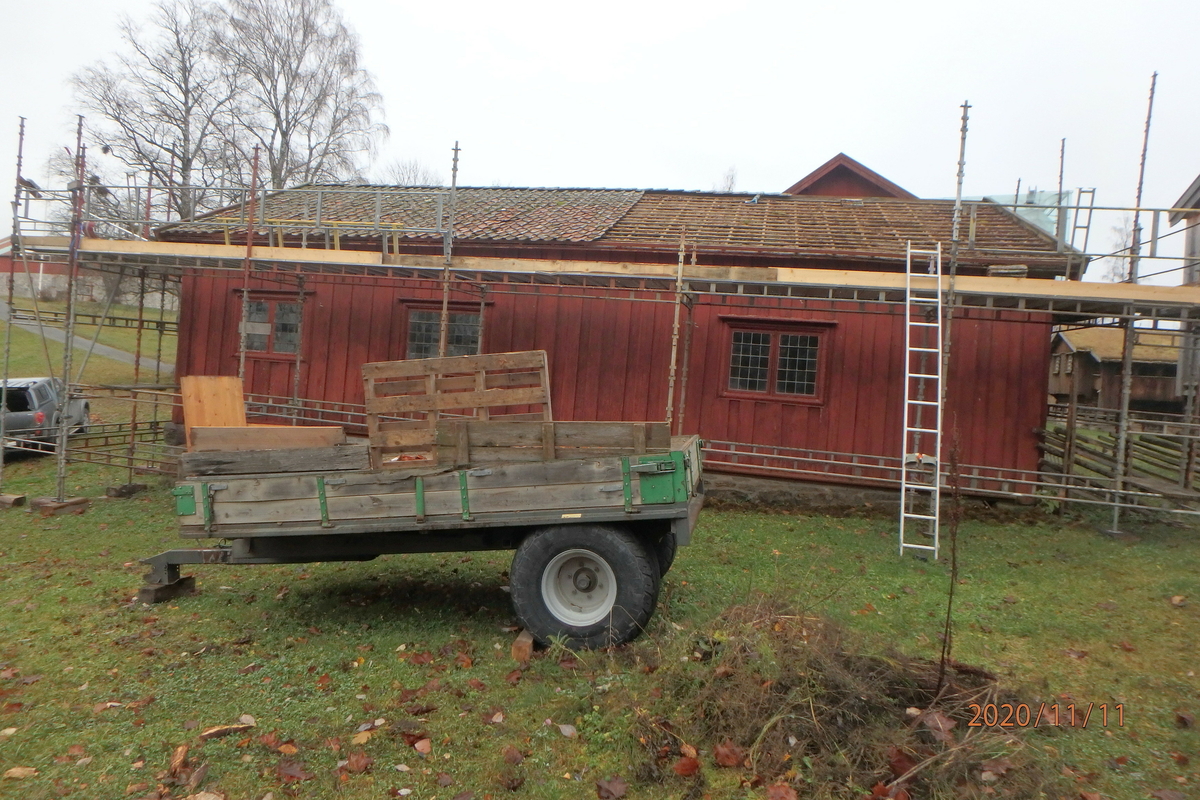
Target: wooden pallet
{"points": [[405, 400]]}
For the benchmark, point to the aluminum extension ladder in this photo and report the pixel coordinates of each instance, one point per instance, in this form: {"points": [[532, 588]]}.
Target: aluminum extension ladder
{"points": [[920, 474]]}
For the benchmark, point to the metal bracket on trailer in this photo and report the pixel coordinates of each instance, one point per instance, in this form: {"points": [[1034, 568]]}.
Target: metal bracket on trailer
{"points": [[163, 582]]}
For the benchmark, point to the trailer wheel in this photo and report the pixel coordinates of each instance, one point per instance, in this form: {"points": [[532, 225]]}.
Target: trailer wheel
{"points": [[665, 548], [592, 585]]}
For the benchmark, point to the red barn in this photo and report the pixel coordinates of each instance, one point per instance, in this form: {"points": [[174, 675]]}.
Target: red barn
{"points": [[809, 377]]}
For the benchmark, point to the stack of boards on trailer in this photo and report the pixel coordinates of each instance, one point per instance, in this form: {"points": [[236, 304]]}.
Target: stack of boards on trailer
{"points": [[462, 455]]}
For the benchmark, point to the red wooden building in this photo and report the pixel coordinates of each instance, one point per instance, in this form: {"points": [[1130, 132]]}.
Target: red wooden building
{"points": [[587, 275]]}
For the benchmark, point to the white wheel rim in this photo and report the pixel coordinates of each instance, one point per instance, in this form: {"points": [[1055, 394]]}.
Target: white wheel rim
{"points": [[579, 587]]}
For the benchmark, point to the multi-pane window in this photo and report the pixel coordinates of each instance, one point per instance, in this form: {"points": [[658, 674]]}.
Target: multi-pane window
{"points": [[425, 330], [272, 326], [774, 362]]}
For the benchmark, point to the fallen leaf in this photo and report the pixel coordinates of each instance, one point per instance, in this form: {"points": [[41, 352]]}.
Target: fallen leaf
{"points": [[293, 771], [83, 762], [512, 782], [1178, 758], [1179, 601], [1077, 654], [1090, 796], [470, 795], [612, 789], [688, 750], [1010, 600], [686, 766], [723, 671], [899, 762], [423, 746], [728, 754], [323, 683], [28, 679], [104, 706], [939, 725], [1126, 646], [191, 725], [205, 796], [1168, 794], [178, 760], [288, 749], [246, 670], [514, 677], [569, 662], [512, 755], [781, 791], [463, 661], [246, 719], [17, 773], [1184, 720], [997, 766], [477, 685], [568, 731], [444, 779], [217, 731], [359, 761], [362, 737]]}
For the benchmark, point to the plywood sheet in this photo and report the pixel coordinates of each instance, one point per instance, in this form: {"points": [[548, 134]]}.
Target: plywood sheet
{"points": [[211, 401]]}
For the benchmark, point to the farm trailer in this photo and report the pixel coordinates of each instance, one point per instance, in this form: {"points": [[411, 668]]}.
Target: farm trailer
{"points": [[593, 510]]}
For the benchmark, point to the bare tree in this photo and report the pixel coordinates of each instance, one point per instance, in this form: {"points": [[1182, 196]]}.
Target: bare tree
{"points": [[1116, 266], [302, 96], [409, 172], [159, 104], [728, 182]]}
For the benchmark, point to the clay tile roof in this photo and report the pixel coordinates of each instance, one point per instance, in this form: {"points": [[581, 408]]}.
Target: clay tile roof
{"points": [[496, 214], [822, 226], [773, 225]]}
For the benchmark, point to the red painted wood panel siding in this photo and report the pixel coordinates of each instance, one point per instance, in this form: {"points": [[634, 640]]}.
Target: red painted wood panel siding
{"points": [[609, 360]]}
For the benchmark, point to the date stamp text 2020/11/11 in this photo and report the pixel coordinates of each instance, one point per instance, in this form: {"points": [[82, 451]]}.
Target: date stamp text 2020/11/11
{"points": [[1066, 715]]}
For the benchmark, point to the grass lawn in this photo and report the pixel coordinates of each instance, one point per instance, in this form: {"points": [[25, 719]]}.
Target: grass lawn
{"points": [[120, 338], [353, 662]]}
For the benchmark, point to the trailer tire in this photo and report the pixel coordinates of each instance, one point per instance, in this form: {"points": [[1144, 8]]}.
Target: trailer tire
{"points": [[665, 547], [590, 585]]}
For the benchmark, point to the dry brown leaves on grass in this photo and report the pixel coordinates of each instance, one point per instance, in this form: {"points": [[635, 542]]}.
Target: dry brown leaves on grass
{"points": [[791, 700]]}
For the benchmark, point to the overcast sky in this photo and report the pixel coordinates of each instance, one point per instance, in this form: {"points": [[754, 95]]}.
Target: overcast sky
{"points": [[653, 94]]}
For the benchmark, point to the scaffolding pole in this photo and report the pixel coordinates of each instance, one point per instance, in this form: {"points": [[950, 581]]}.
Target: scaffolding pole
{"points": [[64, 398]]}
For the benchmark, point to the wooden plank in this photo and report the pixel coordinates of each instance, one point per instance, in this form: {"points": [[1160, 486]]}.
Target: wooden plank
{"points": [[310, 459], [407, 439], [548, 441], [492, 380], [453, 365], [501, 455], [211, 400], [455, 400], [567, 497], [207, 439]]}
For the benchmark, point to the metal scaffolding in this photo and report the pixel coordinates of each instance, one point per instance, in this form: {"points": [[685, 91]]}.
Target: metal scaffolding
{"points": [[1081, 462]]}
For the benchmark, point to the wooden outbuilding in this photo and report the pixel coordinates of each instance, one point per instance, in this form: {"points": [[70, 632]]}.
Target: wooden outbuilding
{"points": [[792, 378]]}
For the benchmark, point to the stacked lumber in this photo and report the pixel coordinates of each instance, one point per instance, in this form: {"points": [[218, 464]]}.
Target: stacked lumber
{"points": [[468, 443]]}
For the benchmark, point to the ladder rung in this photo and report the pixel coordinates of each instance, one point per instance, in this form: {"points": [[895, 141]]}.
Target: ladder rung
{"points": [[922, 375], [920, 430], [925, 324], [925, 301], [925, 349], [910, 515], [918, 546], [922, 402]]}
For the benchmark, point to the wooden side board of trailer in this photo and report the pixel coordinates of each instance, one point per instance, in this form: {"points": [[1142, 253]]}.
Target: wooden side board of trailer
{"points": [[356, 501]]}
